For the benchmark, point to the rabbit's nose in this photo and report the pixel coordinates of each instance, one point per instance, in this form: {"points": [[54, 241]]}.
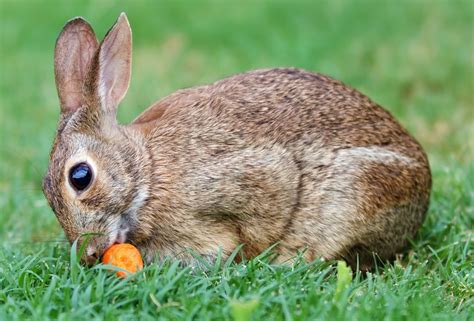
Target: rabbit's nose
{"points": [[91, 255]]}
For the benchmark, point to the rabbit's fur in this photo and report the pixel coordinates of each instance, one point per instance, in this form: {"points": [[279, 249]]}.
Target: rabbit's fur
{"points": [[269, 156]]}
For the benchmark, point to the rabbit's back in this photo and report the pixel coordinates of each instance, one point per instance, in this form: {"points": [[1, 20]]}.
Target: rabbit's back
{"points": [[292, 156], [291, 107]]}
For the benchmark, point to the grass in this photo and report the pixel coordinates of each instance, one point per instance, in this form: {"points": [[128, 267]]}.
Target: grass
{"points": [[414, 57]]}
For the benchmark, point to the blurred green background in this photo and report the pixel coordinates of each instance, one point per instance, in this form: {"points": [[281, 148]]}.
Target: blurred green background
{"points": [[413, 57]]}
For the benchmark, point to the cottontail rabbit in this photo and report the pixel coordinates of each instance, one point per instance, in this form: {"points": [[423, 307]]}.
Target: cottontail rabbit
{"points": [[277, 156]]}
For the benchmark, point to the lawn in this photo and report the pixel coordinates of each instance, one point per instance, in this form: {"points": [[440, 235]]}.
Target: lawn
{"points": [[415, 58]]}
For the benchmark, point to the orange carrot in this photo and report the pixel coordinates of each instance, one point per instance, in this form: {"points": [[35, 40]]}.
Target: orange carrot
{"points": [[124, 256]]}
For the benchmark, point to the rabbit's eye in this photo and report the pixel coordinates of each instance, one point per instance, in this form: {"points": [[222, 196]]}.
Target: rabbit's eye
{"points": [[80, 176]]}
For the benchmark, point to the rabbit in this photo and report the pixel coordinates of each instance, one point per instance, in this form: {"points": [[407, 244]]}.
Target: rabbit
{"points": [[277, 157]]}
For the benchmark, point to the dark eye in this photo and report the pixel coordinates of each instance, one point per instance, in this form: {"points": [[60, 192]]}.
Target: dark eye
{"points": [[80, 176]]}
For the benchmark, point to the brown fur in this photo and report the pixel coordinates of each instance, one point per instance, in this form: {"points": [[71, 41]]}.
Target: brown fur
{"points": [[269, 156]]}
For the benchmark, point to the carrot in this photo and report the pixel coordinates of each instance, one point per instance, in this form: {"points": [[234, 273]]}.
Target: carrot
{"points": [[125, 256]]}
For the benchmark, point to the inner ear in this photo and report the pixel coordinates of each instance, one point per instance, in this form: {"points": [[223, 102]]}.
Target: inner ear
{"points": [[75, 48]]}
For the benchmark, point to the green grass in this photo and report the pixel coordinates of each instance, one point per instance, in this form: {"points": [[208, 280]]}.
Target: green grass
{"points": [[414, 57]]}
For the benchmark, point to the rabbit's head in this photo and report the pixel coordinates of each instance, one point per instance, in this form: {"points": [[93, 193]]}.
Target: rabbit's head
{"points": [[94, 183]]}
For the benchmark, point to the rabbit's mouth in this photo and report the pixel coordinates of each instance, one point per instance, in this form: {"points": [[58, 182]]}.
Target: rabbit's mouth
{"points": [[127, 225], [123, 228], [120, 237], [97, 246], [120, 230]]}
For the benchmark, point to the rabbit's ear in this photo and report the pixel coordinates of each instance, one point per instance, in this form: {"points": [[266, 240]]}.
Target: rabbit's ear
{"points": [[75, 48], [114, 64], [146, 121], [152, 113]]}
